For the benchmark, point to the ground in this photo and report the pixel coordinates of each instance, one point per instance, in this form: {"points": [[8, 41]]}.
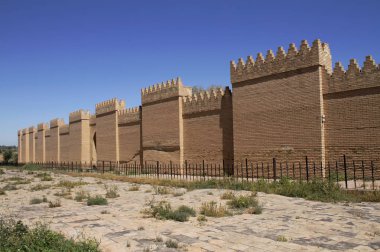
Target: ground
{"points": [[286, 224]]}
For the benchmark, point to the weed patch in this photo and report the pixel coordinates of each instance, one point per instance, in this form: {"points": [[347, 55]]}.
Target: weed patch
{"points": [[54, 204], [212, 209], [97, 200], [16, 236], [70, 184], [81, 196], [112, 191], [39, 187], [164, 211]]}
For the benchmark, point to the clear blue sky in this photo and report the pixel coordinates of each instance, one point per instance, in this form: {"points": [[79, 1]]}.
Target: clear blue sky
{"points": [[60, 56]]}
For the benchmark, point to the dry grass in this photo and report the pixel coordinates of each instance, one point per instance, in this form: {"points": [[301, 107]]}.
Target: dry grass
{"points": [[212, 209]]}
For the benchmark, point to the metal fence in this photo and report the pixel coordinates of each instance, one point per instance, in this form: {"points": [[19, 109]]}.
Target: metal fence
{"points": [[350, 174]]}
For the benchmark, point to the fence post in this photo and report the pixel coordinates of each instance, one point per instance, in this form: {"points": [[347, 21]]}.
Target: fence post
{"points": [[103, 166], [274, 169], [158, 167], [203, 170], [186, 168], [307, 169], [363, 174], [345, 170], [353, 164], [373, 177]]}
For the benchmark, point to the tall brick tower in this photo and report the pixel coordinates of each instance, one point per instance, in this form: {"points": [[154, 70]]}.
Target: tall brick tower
{"points": [[79, 136], [278, 104], [162, 122]]}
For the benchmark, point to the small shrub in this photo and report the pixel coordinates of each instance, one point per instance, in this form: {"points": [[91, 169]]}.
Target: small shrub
{"points": [[171, 244], [39, 187], [41, 175], [111, 191], [57, 203], [2, 192], [281, 238], [227, 195], [243, 201], [158, 239], [210, 193], [163, 190], [2, 172], [164, 211], [46, 178], [212, 209], [140, 228], [70, 184], [81, 196], [201, 218], [105, 212], [97, 200], [134, 188], [148, 191], [44, 199], [35, 201]]}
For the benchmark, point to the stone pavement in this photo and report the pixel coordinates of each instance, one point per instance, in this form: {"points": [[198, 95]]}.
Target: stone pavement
{"points": [[286, 224]]}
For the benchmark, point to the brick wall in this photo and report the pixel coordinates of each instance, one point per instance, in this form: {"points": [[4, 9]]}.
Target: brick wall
{"points": [[129, 123], [208, 127], [352, 105], [25, 145], [40, 142], [32, 146], [107, 135], [79, 136]]}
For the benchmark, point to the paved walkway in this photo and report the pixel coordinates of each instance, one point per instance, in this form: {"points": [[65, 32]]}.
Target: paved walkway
{"points": [[286, 224]]}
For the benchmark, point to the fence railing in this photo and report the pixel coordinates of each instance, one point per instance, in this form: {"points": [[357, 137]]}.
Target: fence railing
{"points": [[350, 174]]}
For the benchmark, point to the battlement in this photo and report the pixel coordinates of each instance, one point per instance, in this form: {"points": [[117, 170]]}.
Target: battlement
{"points": [[79, 115], [25, 131], [318, 54], [164, 90], [42, 126], [129, 115], [109, 106], [64, 129], [204, 101], [355, 77], [57, 122], [32, 129], [19, 132], [92, 120]]}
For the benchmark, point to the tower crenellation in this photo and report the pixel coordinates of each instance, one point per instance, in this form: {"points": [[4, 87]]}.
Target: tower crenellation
{"points": [[129, 115], [164, 90], [109, 106], [204, 101], [306, 56], [79, 115], [57, 122], [354, 77]]}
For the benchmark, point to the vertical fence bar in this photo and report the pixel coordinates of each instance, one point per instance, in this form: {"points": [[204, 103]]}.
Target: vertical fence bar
{"points": [[103, 166], [363, 167], [345, 171], [314, 171], [274, 169], [372, 173], [328, 165], [246, 167], [336, 171], [354, 166], [281, 170], [307, 169], [203, 170]]}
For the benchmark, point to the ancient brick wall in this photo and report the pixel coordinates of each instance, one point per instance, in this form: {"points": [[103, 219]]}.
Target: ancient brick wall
{"points": [[49, 153], [64, 143], [208, 127], [162, 123], [352, 105], [79, 135], [54, 151], [40, 142], [32, 146], [278, 106], [25, 145], [129, 122], [107, 134]]}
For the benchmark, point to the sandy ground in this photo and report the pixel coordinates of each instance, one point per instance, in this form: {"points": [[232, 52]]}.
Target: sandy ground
{"points": [[286, 224]]}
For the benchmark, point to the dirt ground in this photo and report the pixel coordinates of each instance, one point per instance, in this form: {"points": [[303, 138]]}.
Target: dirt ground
{"points": [[286, 224]]}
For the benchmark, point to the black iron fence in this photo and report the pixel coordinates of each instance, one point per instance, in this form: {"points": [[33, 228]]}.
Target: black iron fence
{"points": [[350, 174]]}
